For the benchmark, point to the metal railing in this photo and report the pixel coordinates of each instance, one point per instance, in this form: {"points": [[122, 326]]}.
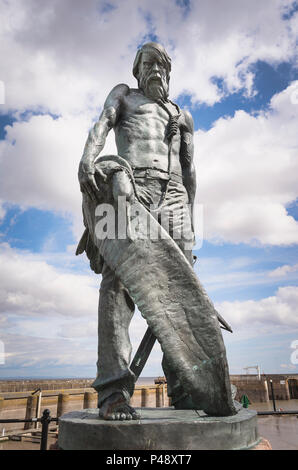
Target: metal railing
{"points": [[278, 412], [275, 411], [45, 420]]}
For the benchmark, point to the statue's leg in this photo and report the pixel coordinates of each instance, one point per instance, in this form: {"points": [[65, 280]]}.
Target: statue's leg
{"points": [[177, 215], [115, 381], [174, 216], [179, 398]]}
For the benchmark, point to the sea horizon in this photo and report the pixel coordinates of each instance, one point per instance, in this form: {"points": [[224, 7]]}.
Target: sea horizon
{"points": [[140, 380]]}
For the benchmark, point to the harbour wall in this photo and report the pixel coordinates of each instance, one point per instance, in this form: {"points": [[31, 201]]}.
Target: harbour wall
{"points": [[258, 388], [24, 405], [44, 384], [61, 396], [285, 386]]}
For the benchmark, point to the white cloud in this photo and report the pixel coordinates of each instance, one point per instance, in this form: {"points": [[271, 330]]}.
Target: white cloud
{"points": [[246, 163], [279, 310], [66, 56], [282, 271], [247, 167], [220, 276], [49, 313], [41, 304], [288, 366], [39, 162], [30, 353], [31, 287], [79, 329], [63, 58], [223, 39]]}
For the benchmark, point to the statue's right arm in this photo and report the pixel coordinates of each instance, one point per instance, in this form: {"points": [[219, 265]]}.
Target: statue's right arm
{"points": [[97, 138]]}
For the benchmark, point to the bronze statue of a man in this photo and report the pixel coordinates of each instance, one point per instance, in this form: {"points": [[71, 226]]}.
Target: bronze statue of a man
{"points": [[154, 140]]}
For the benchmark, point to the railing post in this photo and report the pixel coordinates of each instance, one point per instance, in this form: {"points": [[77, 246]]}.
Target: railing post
{"points": [[88, 399], [163, 388], [272, 393], [144, 397], [38, 407], [158, 395], [45, 421], [63, 403], [30, 410], [2, 428]]}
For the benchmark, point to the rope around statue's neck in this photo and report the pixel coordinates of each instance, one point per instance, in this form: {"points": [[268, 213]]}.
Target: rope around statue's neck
{"points": [[171, 132]]}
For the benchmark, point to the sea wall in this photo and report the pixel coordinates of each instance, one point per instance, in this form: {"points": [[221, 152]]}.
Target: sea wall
{"points": [[60, 396], [43, 384], [23, 405], [256, 390]]}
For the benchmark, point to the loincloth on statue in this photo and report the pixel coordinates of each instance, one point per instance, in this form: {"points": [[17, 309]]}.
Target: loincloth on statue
{"points": [[156, 173], [158, 279], [151, 186]]}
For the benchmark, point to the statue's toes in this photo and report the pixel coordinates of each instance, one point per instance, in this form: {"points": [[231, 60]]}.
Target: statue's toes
{"points": [[129, 413], [110, 417], [135, 415]]}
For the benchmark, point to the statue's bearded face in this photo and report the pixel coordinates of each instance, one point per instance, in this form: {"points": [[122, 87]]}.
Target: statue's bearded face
{"points": [[153, 76]]}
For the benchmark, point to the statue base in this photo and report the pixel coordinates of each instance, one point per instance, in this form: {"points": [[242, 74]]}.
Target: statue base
{"points": [[159, 429]]}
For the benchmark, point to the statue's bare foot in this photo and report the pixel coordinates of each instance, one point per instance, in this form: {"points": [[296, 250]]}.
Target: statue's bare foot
{"points": [[115, 407]]}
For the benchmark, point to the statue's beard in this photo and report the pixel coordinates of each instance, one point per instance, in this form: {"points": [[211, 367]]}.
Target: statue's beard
{"points": [[154, 89]]}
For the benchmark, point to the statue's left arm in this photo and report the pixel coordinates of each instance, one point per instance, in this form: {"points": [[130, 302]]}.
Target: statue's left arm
{"points": [[186, 160]]}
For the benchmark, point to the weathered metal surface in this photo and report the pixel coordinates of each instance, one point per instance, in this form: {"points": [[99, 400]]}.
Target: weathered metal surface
{"points": [[170, 297], [158, 429]]}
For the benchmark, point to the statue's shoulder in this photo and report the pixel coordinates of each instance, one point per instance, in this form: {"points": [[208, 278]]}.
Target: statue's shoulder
{"points": [[117, 93], [121, 89], [187, 120]]}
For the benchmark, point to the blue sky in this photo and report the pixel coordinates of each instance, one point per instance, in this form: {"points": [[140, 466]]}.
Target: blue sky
{"points": [[237, 73]]}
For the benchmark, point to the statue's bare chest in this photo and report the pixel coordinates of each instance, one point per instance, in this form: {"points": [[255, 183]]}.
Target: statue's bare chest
{"points": [[143, 118]]}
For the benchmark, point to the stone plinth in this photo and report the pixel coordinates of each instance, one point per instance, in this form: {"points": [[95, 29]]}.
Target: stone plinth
{"points": [[158, 429]]}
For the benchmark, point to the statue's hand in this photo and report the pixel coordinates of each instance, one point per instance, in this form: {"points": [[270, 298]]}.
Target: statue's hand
{"points": [[122, 186], [87, 180]]}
